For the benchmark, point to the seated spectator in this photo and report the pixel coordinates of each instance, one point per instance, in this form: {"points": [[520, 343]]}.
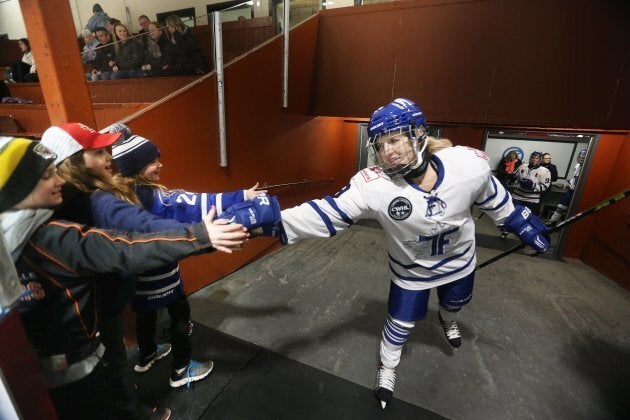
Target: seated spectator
{"points": [[89, 53], [98, 19], [187, 58], [129, 54], [24, 71], [105, 54], [144, 21], [158, 54], [111, 23]]}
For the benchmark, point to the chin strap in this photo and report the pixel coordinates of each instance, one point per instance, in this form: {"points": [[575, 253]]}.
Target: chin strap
{"points": [[419, 171], [422, 168]]}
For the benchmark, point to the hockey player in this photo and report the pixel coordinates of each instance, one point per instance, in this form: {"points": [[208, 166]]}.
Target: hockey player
{"points": [[422, 199], [563, 205], [533, 180]]}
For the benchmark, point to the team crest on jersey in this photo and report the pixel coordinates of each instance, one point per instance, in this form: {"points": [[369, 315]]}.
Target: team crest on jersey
{"points": [[435, 205], [400, 208]]}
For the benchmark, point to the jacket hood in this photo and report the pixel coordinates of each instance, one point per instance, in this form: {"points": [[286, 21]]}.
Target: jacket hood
{"points": [[18, 226]]}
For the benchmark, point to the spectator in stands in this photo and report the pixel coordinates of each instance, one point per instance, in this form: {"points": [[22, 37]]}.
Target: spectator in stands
{"points": [[24, 70], [111, 23], [144, 21], [187, 58], [158, 54], [89, 53], [129, 54], [98, 19], [105, 55]]}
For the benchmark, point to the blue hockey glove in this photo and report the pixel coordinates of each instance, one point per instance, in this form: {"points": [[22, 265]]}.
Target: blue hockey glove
{"points": [[529, 228], [261, 216], [527, 184]]}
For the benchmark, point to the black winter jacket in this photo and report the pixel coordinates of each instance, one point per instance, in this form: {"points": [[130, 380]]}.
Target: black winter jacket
{"points": [[104, 56], [57, 264]]}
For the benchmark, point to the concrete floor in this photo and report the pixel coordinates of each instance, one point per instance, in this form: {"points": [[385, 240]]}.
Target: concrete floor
{"points": [[542, 339]]}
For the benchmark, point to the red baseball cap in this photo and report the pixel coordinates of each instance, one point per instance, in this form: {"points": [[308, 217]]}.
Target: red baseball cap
{"points": [[70, 138]]}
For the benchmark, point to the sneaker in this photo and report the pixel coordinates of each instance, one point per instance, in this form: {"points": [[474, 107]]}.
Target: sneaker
{"points": [[384, 389], [145, 363], [451, 332], [195, 371]]}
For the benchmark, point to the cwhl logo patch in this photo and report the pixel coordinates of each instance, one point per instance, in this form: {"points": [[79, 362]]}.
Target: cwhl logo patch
{"points": [[400, 208]]}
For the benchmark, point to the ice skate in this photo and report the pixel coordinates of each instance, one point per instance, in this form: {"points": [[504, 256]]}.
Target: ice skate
{"points": [[384, 389], [451, 332]]}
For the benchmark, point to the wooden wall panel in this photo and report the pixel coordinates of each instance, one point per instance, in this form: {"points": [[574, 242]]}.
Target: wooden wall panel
{"points": [[265, 144], [9, 52], [34, 118], [602, 240], [521, 62], [238, 37], [113, 91]]}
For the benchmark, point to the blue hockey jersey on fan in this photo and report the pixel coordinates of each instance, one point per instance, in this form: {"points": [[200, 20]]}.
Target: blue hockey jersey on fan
{"points": [[430, 234], [159, 287]]}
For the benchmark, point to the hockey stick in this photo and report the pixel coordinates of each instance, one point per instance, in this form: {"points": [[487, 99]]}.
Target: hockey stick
{"points": [[288, 184], [602, 205]]}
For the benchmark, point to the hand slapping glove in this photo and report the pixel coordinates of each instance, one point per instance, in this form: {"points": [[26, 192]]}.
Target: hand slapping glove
{"points": [[260, 216]]}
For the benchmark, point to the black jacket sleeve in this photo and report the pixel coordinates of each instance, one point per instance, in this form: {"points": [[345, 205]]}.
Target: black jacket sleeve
{"points": [[80, 249]]}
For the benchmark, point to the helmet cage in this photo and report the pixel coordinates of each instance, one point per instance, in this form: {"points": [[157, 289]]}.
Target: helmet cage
{"points": [[399, 117], [411, 155]]}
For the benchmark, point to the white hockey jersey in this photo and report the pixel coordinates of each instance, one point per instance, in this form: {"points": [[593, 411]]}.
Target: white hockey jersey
{"points": [[576, 175], [430, 235], [541, 179]]}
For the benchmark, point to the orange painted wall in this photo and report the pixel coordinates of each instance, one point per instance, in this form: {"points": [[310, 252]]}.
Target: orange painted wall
{"points": [[602, 240]]}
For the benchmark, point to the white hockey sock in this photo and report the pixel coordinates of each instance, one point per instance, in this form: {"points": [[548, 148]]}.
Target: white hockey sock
{"points": [[395, 335], [560, 211]]}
